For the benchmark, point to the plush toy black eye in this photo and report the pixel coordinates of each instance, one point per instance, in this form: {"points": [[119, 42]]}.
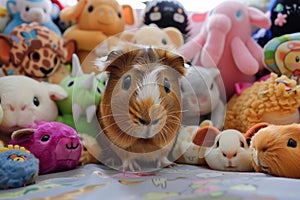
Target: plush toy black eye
{"points": [[120, 15], [36, 101], [27, 8], [167, 85], [242, 144], [55, 60], [292, 143], [45, 11], [164, 41], [70, 83], [217, 144], [90, 8], [211, 86], [45, 138], [98, 90], [126, 82], [35, 56], [297, 59]]}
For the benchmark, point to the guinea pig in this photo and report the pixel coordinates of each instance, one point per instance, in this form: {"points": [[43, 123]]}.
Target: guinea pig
{"points": [[227, 150], [275, 149], [56, 145], [140, 112]]}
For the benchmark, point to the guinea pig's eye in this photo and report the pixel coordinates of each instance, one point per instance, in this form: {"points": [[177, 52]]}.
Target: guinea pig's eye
{"points": [[119, 15], [126, 82], [242, 144], [70, 83], [164, 41], [90, 8], [36, 101], [45, 138], [167, 85], [292, 143]]}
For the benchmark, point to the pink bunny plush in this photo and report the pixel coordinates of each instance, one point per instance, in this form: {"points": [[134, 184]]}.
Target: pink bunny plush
{"points": [[56, 145], [225, 41]]}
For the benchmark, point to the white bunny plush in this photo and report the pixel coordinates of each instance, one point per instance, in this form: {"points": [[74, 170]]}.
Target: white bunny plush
{"points": [[25, 100], [227, 150], [201, 96]]}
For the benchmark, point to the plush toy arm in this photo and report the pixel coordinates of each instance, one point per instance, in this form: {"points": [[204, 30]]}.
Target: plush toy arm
{"points": [[86, 40], [243, 58], [217, 27], [191, 48], [256, 52]]}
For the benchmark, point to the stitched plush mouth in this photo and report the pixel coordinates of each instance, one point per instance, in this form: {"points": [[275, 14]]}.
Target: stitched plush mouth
{"points": [[101, 23]]}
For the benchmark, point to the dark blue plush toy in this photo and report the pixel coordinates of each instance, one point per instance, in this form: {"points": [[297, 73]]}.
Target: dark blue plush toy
{"points": [[18, 167], [167, 13], [285, 17]]}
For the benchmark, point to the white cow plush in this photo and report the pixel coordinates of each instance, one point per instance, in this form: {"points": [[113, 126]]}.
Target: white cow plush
{"points": [[25, 100]]}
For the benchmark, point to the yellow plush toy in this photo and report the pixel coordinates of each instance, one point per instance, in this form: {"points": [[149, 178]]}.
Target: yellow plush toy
{"points": [[161, 37], [96, 20], [275, 101]]}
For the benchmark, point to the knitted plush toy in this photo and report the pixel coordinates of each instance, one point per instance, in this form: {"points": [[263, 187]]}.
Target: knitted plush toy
{"points": [[28, 11], [36, 51], [18, 167], [276, 101]]}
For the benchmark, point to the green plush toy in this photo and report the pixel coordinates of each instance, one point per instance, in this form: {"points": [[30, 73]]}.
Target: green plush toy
{"points": [[84, 94]]}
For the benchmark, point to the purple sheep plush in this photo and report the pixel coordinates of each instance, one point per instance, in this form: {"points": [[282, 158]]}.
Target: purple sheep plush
{"points": [[56, 145]]}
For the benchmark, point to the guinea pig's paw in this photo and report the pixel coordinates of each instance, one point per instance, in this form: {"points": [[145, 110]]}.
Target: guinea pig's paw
{"points": [[164, 162], [131, 165]]}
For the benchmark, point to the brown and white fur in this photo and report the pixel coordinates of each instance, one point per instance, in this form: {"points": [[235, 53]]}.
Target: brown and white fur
{"points": [[140, 111]]}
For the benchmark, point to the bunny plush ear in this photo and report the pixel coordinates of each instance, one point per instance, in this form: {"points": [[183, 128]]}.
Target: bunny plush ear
{"points": [[254, 129], [205, 136], [22, 134]]}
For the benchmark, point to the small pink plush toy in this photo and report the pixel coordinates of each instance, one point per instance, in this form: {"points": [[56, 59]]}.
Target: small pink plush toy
{"points": [[56, 145], [225, 41]]}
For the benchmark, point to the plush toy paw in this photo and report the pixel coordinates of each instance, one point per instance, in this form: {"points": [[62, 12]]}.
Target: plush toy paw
{"points": [[18, 167]]}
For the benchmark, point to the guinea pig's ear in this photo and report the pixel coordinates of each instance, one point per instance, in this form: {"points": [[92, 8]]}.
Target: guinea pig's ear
{"points": [[114, 54], [22, 134], [254, 129], [205, 136]]}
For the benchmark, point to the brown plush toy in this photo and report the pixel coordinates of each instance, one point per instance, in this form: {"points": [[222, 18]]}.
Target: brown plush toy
{"points": [[276, 101], [95, 21], [37, 52], [275, 149]]}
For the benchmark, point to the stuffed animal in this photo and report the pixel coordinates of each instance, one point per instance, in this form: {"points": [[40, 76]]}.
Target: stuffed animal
{"points": [[4, 18], [284, 16], [96, 20], [275, 100], [56, 145], [166, 13], [18, 167], [225, 41], [275, 149], [140, 111], [201, 97], [169, 37], [282, 55], [28, 11], [227, 150], [25, 100], [37, 52], [79, 109]]}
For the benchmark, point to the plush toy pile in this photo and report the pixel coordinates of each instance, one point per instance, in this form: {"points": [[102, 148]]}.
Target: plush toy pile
{"points": [[82, 84]]}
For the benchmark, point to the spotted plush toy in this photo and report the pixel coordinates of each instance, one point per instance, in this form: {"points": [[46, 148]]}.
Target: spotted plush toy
{"points": [[37, 52], [18, 167]]}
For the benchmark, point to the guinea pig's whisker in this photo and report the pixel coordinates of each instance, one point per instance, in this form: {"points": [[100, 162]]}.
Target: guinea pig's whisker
{"points": [[103, 117]]}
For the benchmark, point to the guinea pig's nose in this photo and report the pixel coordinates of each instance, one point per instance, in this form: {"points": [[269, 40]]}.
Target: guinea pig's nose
{"points": [[230, 154]]}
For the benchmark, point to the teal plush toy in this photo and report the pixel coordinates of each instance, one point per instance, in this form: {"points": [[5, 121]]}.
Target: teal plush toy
{"points": [[84, 93], [18, 167]]}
